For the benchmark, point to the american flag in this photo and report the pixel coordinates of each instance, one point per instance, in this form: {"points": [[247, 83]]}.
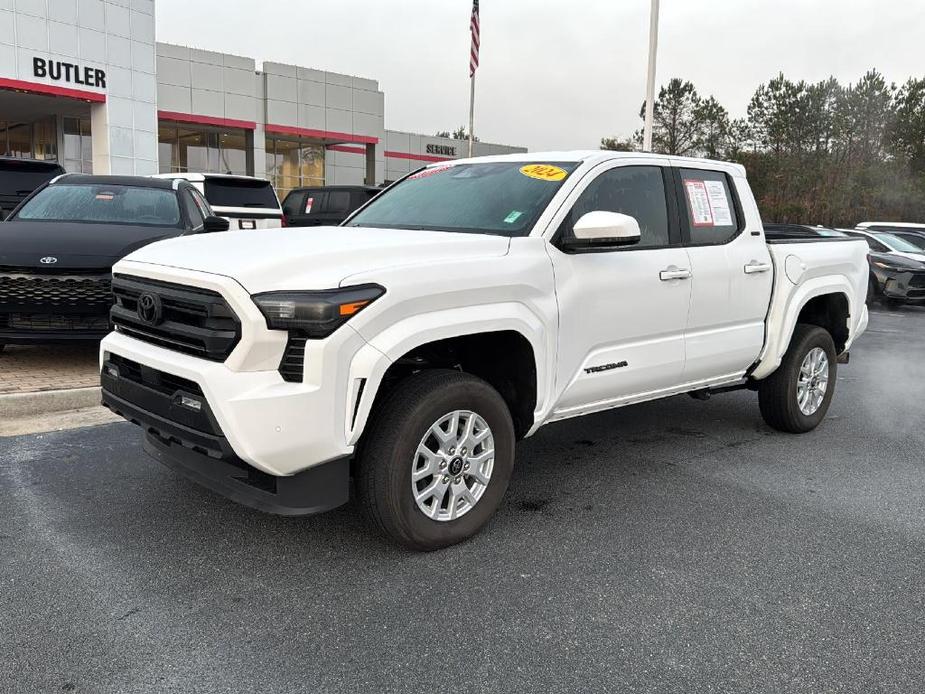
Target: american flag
{"points": [[474, 30]]}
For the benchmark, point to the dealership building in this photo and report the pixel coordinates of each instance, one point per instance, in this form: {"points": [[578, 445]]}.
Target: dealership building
{"points": [[84, 83]]}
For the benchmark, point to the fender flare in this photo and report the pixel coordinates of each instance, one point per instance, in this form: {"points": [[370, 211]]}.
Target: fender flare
{"points": [[786, 314], [371, 362]]}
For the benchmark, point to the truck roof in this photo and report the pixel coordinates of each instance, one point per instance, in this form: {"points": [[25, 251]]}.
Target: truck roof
{"points": [[199, 177], [596, 156]]}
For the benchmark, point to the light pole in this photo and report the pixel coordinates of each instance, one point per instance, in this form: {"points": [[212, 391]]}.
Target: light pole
{"points": [[650, 81]]}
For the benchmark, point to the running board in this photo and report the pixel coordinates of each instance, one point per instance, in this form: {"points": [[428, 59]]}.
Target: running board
{"points": [[707, 393]]}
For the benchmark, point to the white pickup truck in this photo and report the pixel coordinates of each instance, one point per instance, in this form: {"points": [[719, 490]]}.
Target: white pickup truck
{"points": [[459, 311]]}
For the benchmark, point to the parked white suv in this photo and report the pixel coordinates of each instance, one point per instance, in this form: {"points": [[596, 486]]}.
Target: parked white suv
{"points": [[247, 202], [460, 310]]}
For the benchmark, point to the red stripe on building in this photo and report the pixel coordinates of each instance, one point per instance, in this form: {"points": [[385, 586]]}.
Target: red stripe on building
{"points": [[206, 120], [416, 157], [320, 134], [51, 90], [346, 148]]}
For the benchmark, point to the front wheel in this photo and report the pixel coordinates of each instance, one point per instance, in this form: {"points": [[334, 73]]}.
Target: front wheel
{"points": [[436, 459], [796, 397]]}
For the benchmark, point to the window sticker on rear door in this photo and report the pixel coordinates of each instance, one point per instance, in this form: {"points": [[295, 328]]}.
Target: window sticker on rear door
{"points": [[719, 203], [698, 201]]}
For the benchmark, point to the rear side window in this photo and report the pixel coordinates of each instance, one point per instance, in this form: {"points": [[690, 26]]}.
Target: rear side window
{"points": [[637, 191], [240, 192], [21, 178], [292, 204], [711, 210]]}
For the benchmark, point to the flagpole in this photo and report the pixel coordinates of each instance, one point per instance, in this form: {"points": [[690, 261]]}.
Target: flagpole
{"points": [[471, 109], [473, 65], [650, 79]]}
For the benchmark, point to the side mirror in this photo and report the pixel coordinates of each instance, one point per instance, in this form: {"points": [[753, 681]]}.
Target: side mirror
{"points": [[214, 223], [601, 228]]}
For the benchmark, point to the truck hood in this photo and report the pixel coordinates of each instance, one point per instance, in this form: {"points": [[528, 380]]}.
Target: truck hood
{"points": [[314, 257], [73, 245]]}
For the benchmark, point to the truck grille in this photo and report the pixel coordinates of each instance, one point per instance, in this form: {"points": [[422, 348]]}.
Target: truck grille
{"points": [[45, 322], [187, 319], [83, 289]]}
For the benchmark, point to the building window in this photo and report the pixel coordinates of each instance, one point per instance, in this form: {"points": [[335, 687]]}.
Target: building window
{"points": [[201, 150], [296, 163], [29, 140], [78, 146]]}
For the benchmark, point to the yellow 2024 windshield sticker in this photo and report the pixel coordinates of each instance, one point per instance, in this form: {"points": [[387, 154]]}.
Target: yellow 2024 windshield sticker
{"points": [[543, 172]]}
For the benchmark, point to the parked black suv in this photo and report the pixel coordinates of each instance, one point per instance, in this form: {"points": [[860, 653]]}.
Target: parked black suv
{"points": [[58, 247], [327, 206], [19, 177]]}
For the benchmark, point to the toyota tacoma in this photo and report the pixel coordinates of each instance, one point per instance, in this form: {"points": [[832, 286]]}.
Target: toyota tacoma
{"points": [[460, 310]]}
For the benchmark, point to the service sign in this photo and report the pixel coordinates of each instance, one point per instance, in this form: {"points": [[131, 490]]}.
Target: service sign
{"points": [[444, 150]]}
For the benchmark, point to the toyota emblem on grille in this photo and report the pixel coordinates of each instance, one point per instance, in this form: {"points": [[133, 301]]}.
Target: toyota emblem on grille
{"points": [[48, 260], [150, 309]]}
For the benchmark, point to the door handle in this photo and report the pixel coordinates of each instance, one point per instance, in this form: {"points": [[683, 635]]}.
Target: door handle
{"points": [[754, 266], [674, 273]]}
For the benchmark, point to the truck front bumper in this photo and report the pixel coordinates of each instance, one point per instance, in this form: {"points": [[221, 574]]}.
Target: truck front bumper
{"points": [[192, 442], [278, 427]]}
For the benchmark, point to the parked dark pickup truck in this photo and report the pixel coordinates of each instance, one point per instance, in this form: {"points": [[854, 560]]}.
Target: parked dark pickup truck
{"points": [[328, 206], [58, 248]]}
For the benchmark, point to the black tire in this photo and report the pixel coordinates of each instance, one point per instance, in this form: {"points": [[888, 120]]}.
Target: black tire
{"points": [[777, 394], [387, 453]]}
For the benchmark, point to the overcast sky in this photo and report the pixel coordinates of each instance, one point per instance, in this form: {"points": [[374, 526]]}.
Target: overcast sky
{"points": [[557, 74]]}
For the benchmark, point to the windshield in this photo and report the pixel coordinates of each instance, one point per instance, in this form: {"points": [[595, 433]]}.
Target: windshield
{"points": [[240, 192], [104, 204], [897, 244], [502, 198]]}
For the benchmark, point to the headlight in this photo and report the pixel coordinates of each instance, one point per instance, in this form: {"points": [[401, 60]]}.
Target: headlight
{"points": [[895, 268], [315, 314]]}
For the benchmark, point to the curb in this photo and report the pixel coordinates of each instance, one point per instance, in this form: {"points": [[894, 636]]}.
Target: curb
{"points": [[48, 401]]}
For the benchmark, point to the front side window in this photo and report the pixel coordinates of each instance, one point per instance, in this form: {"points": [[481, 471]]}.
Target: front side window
{"points": [[104, 204], [711, 213], [500, 198], [338, 201], [201, 203], [193, 212], [896, 243], [872, 243], [637, 191]]}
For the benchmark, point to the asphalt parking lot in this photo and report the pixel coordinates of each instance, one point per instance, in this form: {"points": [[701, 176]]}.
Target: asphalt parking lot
{"points": [[678, 546]]}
